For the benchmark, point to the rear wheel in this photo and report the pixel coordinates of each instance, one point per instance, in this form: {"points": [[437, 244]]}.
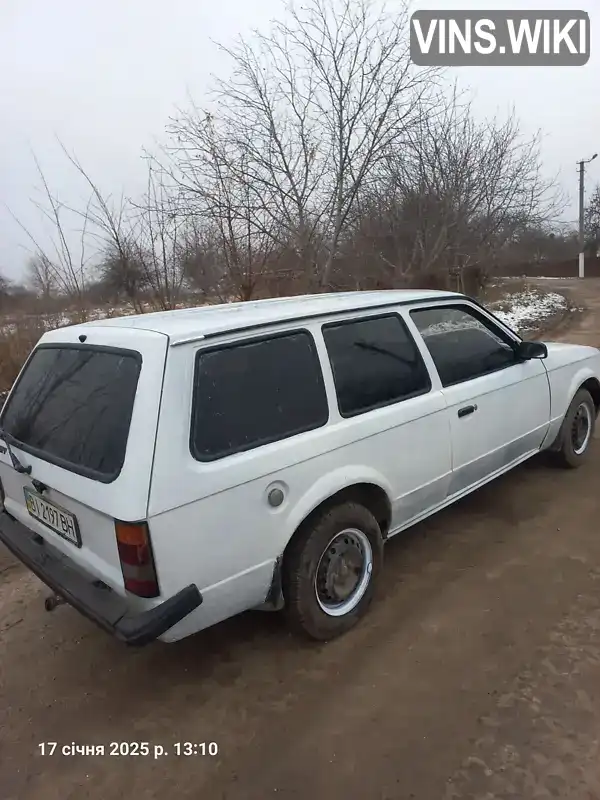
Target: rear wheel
{"points": [[330, 571], [577, 431]]}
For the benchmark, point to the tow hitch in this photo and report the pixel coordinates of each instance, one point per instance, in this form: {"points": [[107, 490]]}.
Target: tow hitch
{"points": [[50, 603]]}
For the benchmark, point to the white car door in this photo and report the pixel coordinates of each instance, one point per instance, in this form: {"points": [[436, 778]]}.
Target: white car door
{"points": [[392, 414], [499, 405]]}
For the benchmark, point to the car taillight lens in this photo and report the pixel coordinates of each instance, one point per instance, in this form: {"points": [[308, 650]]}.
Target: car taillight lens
{"points": [[137, 561]]}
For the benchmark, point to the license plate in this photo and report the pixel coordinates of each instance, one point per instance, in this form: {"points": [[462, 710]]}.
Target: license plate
{"points": [[57, 519]]}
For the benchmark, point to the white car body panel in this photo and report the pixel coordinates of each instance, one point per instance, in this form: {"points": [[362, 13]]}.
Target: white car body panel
{"points": [[310, 468], [511, 421], [569, 366], [211, 523], [95, 504]]}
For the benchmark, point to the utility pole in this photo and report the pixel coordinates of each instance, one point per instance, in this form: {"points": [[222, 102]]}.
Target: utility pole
{"points": [[581, 213]]}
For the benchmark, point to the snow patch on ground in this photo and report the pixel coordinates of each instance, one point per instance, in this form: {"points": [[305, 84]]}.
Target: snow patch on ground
{"points": [[526, 310], [521, 311]]}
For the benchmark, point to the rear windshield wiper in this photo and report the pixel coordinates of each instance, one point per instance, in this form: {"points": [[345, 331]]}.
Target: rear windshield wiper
{"points": [[13, 457]]}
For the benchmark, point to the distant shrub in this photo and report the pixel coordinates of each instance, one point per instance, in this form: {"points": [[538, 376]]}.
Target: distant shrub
{"points": [[16, 343]]}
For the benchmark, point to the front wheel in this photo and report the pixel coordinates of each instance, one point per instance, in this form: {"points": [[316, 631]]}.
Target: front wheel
{"points": [[577, 431], [330, 571]]}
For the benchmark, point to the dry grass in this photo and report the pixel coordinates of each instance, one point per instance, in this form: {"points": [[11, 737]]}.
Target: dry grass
{"points": [[499, 290], [15, 346], [20, 331]]}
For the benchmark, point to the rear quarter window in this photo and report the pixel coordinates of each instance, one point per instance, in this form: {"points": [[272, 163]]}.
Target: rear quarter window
{"points": [[254, 393], [72, 406]]}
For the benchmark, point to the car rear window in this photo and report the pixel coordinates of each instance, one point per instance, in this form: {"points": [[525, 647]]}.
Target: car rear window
{"points": [[72, 406], [254, 393]]}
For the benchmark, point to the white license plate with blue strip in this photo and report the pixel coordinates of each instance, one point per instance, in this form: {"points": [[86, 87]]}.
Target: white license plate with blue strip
{"points": [[57, 519]]}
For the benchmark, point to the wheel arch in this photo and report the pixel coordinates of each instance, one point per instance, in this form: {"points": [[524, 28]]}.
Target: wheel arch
{"points": [[584, 378], [593, 387], [368, 492], [370, 495], [591, 384]]}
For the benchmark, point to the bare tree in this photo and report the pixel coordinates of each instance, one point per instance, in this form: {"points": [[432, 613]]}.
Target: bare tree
{"points": [[326, 159], [7, 288], [115, 230], [64, 262], [41, 276], [201, 262], [218, 196], [142, 241], [160, 242], [592, 223], [122, 274], [309, 112], [456, 195]]}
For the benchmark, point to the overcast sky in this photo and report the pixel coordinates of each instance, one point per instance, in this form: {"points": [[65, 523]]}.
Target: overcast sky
{"points": [[104, 76]]}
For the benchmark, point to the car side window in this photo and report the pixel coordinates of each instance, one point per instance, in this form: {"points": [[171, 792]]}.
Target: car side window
{"points": [[462, 343], [256, 392], [374, 362]]}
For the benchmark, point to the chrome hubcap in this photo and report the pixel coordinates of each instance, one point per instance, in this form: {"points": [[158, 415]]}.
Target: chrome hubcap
{"points": [[343, 572], [581, 429]]}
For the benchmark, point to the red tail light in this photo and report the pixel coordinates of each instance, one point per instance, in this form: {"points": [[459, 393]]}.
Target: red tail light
{"points": [[137, 561]]}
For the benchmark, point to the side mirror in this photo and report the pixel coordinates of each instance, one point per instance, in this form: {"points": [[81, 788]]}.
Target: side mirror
{"points": [[528, 350]]}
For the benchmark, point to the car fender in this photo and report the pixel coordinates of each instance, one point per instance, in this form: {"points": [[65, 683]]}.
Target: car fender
{"points": [[579, 379], [564, 385], [329, 485], [321, 491]]}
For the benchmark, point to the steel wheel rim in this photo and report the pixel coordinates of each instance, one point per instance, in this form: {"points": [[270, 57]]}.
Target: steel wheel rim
{"points": [[344, 572], [581, 429]]}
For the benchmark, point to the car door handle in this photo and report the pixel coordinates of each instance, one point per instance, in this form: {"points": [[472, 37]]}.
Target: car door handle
{"points": [[462, 412]]}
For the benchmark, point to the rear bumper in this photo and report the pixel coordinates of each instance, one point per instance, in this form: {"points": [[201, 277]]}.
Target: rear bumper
{"points": [[92, 598]]}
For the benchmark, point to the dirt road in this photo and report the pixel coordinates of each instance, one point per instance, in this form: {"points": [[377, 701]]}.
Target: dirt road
{"points": [[476, 674]]}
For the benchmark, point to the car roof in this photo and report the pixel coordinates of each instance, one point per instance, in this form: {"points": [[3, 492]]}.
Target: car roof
{"points": [[188, 324]]}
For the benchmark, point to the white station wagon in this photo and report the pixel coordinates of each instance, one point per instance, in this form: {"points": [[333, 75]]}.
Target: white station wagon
{"points": [[166, 471]]}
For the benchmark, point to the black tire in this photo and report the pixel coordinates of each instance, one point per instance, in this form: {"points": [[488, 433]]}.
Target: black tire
{"points": [[566, 452], [304, 557]]}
